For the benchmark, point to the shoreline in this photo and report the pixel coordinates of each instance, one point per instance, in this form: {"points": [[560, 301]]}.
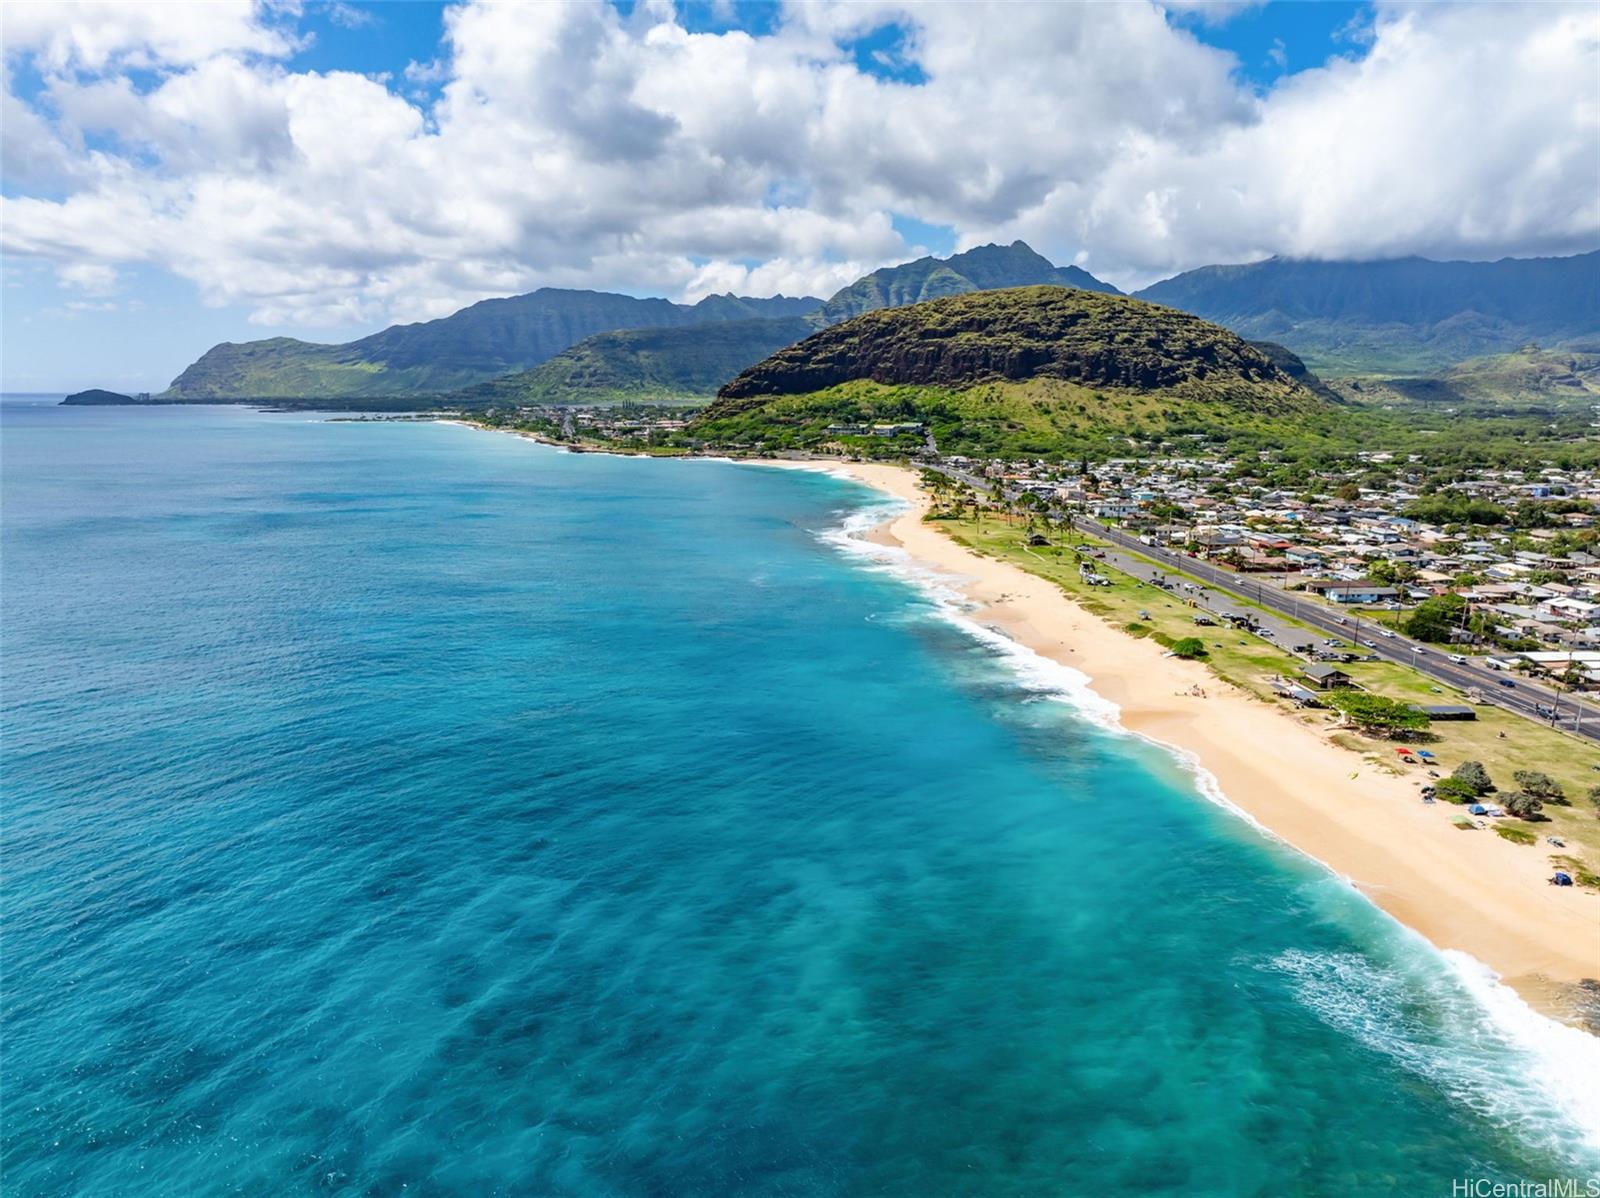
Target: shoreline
{"points": [[1462, 894], [1468, 894]]}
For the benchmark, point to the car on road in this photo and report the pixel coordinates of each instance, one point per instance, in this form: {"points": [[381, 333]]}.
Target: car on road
{"points": [[1340, 620], [1387, 633], [1370, 644], [1506, 682], [1458, 659]]}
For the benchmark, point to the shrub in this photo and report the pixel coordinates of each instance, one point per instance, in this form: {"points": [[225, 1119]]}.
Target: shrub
{"points": [[1454, 790], [1472, 773], [1189, 648], [1515, 834]]}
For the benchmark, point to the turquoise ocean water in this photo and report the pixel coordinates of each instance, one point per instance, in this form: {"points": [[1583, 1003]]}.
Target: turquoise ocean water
{"points": [[405, 809]]}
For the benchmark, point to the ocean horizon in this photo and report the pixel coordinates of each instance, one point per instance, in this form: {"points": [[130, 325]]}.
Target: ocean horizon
{"points": [[402, 807]]}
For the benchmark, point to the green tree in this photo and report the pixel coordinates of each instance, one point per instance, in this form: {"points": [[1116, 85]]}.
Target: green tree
{"points": [[1435, 619], [1523, 805], [1189, 648], [1473, 775], [1452, 507], [1375, 713], [1540, 786]]}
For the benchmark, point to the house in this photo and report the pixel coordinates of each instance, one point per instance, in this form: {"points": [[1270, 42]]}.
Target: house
{"points": [[1326, 677], [1353, 592]]}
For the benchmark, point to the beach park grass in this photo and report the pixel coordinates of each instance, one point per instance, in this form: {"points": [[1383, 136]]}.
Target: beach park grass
{"points": [[1250, 662]]}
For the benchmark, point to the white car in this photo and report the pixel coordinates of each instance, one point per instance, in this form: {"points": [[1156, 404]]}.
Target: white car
{"points": [[1387, 633], [1458, 659]]}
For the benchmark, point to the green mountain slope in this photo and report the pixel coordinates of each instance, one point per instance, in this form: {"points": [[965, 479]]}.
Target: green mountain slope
{"points": [[1036, 370], [1408, 315], [644, 365], [1530, 375], [986, 268], [474, 345]]}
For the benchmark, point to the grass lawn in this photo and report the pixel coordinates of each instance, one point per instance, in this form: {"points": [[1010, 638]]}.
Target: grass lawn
{"points": [[1249, 662]]}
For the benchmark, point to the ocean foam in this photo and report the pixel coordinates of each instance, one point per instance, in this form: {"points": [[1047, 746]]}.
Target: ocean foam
{"points": [[1468, 1034], [1036, 673]]}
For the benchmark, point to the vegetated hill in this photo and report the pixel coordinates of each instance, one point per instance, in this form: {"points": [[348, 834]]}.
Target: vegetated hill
{"points": [[1036, 370], [986, 268], [643, 365], [1531, 375], [1531, 378], [1405, 315], [96, 396], [478, 343]]}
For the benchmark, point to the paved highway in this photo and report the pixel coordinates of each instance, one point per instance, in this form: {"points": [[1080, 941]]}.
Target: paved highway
{"points": [[1524, 697]]}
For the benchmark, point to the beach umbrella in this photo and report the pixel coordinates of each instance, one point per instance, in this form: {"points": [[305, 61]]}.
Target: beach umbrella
{"points": [[1404, 752], [1423, 753]]}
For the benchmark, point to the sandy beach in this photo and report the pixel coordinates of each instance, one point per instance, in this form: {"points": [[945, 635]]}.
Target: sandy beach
{"points": [[1470, 892]]}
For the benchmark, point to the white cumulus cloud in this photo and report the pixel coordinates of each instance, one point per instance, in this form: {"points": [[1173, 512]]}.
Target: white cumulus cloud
{"points": [[572, 145]]}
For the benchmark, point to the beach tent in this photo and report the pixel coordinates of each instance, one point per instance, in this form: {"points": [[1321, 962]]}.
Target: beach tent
{"points": [[1478, 809], [1562, 878]]}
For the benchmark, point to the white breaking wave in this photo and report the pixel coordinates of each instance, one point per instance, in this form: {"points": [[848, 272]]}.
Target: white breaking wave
{"points": [[1469, 1035], [1484, 1045], [1036, 673]]}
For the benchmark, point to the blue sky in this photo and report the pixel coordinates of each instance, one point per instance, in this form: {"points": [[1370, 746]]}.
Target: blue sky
{"points": [[321, 174]]}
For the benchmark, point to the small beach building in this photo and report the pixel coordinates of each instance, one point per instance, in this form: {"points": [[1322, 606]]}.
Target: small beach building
{"points": [[1326, 677]]}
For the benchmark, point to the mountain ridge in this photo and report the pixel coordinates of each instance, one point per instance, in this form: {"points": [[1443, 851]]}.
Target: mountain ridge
{"points": [[982, 268], [482, 341], [1405, 316], [1394, 315]]}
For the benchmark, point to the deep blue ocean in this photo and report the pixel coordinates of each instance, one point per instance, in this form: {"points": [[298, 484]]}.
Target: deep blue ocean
{"points": [[403, 809]]}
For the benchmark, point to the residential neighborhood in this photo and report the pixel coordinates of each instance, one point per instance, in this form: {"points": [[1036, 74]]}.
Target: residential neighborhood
{"points": [[1527, 578]]}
